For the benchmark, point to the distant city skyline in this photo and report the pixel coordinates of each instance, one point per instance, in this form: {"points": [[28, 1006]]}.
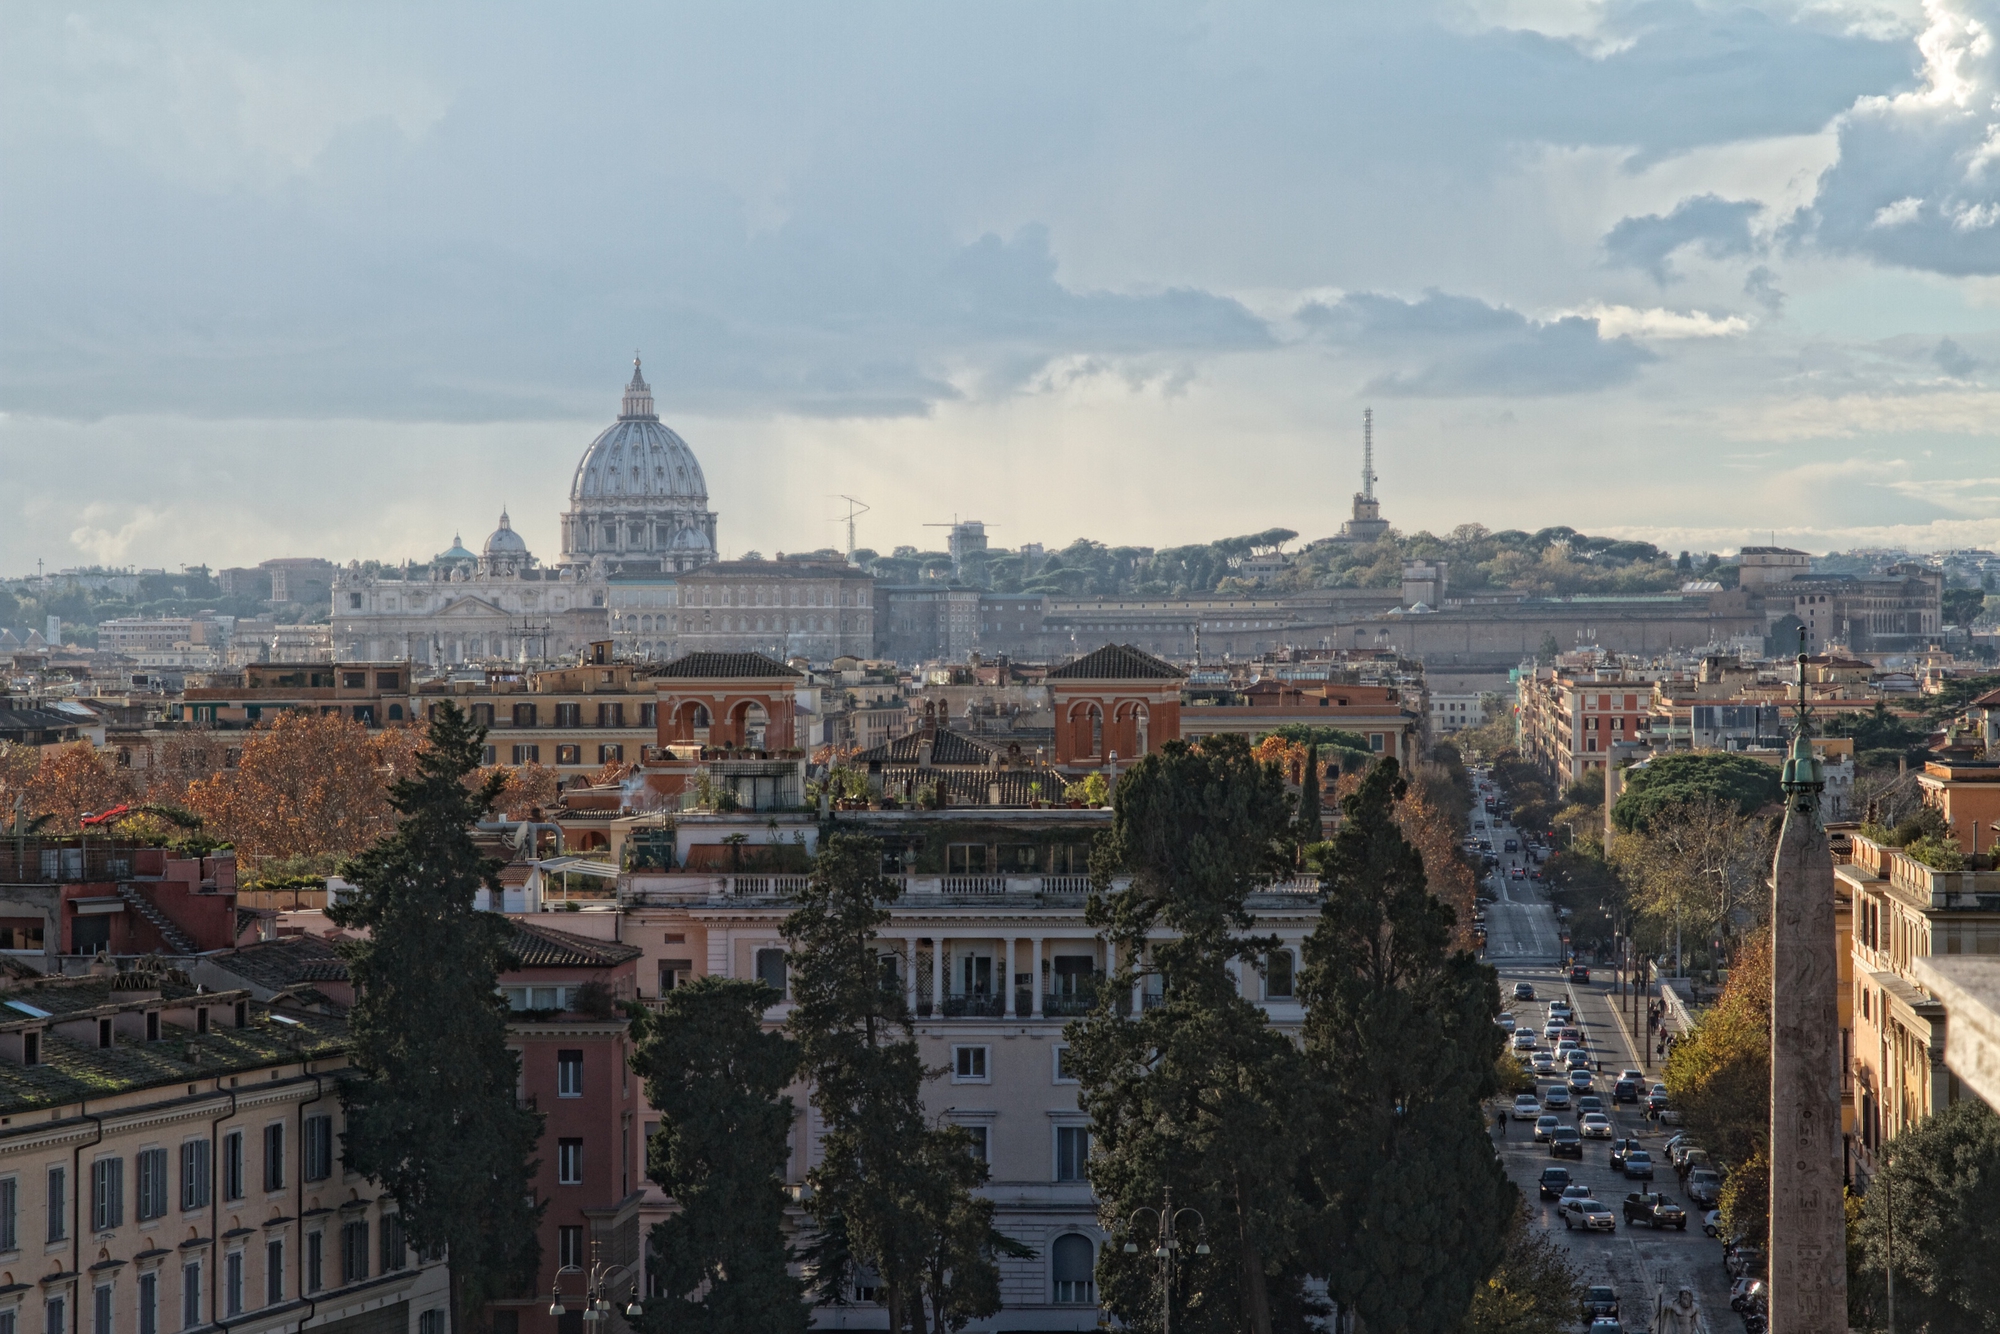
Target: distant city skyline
{"points": [[299, 283]]}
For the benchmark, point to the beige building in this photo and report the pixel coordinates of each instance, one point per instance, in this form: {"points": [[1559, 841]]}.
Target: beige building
{"points": [[169, 1160], [574, 720]]}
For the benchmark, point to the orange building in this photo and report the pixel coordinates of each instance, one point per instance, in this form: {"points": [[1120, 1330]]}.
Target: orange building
{"points": [[1117, 703], [1968, 796], [740, 700]]}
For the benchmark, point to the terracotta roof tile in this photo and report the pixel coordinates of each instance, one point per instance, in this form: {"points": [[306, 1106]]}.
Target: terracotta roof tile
{"points": [[538, 946], [1117, 662], [725, 666]]}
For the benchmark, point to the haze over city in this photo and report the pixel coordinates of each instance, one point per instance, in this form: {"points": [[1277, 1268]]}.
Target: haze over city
{"points": [[1689, 274]]}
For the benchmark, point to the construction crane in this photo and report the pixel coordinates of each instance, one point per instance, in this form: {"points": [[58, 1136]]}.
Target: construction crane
{"points": [[854, 507]]}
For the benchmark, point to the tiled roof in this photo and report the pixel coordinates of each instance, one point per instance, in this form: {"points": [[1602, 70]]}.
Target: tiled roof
{"points": [[947, 748], [277, 964], [538, 946], [726, 666], [973, 787], [71, 1071], [1117, 662]]}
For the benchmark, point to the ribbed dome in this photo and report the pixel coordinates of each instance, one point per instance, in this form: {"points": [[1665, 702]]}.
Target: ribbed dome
{"points": [[505, 541], [637, 462]]}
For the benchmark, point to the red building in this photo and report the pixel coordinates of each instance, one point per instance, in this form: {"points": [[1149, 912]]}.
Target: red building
{"points": [[84, 896], [1118, 702], [740, 700]]}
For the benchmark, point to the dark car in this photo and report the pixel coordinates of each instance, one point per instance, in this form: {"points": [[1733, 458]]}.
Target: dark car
{"points": [[1625, 1090], [1554, 1179], [1524, 991], [1589, 1102], [1579, 974], [1638, 1165], [1704, 1186], [1600, 1301], [1565, 1142], [1656, 1101], [1621, 1147], [1655, 1211]]}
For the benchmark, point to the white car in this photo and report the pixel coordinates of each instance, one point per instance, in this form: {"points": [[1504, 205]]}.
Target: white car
{"points": [[1588, 1215], [1595, 1125], [1544, 1125], [1506, 1021], [1527, 1107], [1544, 1063], [1524, 1041]]}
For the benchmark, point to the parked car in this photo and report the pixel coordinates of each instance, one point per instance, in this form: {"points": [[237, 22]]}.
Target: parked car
{"points": [[1741, 1260], [1524, 991], [1543, 1125], [1747, 1294], [1656, 1101], [1599, 1301], [1556, 1097], [1625, 1090], [1605, 1324], [1594, 1125], [1638, 1165], [1564, 1142], [1619, 1148], [1655, 1211], [1527, 1107], [1554, 1181], [1687, 1158], [1588, 1215], [1711, 1223], [1704, 1186]]}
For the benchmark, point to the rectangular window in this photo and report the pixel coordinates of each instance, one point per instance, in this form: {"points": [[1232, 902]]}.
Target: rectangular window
{"points": [[107, 1194], [771, 970], [318, 1148], [611, 715], [274, 1156], [968, 1065], [569, 1247], [10, 1228], [527, 754], [1375, 740], [194, 1175], [394, 1248], [191, 1295], [1065, 1072], [1072, 1152], [647, 715], [1279, 982], [274, 1272], [153, 1189], [353, 1252], [524, 715], [569, 1074], [232, 1165], [232, 1283], [315, 1261], [569, 715], [569, 1162], [965, 859], [977, 1134], [100, 1309], [55, 1316], [611, 754], [149, 1303], [432, 1322], [569, 754]]}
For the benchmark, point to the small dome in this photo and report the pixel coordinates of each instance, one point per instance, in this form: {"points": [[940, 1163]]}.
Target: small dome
{"points": [[690, 539], [505, 542], [456, 553]]}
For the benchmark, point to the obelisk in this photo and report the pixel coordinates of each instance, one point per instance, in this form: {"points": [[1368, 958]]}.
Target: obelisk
{"points": [[1808, 1254]]}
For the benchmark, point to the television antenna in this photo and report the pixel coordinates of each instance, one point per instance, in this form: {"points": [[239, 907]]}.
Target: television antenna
{"points": [[854, 507]]}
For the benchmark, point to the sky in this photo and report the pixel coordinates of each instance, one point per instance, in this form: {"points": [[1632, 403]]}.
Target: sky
{"points": [[346, 280]]}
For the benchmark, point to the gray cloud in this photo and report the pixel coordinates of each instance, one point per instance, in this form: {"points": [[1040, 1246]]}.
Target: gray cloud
{"points": [[1718, 227], [1954, 360], [1457, 346]]}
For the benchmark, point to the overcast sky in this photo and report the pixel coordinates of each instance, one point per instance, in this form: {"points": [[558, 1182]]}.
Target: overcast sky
{"points": [[344, 279]]}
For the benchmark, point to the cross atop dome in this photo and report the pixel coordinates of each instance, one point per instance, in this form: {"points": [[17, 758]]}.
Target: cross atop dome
{"points": [[638, 397]]}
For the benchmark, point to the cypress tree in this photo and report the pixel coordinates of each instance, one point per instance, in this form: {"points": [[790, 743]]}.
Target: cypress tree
{"points": [[1310, 828], [432, 1115], [1399, 1028], [1197, 1093], [717, 1079]]}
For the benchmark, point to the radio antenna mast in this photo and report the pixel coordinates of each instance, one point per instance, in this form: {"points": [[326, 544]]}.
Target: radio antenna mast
{"points": [[854, 507], [1368, 453]]}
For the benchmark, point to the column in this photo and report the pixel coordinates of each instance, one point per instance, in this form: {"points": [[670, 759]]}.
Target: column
{"points": [[910, 973], [1035, 979], [940, 964], [1009, 999], [1138, 981]]}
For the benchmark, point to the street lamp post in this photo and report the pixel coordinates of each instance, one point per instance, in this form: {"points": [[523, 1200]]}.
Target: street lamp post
{"points": [[1165, 1219], [596, 1307]]}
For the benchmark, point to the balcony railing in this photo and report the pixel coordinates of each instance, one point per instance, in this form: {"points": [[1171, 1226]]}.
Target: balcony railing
{"points": [[766, 886], [974, 1006]]}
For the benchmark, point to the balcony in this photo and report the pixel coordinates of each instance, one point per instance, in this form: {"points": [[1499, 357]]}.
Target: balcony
{"points": [[977, 1005]]}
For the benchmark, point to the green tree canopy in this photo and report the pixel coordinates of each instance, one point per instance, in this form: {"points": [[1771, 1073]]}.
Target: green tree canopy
{"points": [[1535, 1289], [433, 1115], [1684, 776], [1399, 1029], [1942, 1178], [1719, 1076], [1877, 729], [717, 1079]]}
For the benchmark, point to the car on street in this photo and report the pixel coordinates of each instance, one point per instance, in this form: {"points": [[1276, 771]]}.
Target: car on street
{"points": [[1579, 1079], [1527, 1107], [1595, 1125], [1554, 1181], [1576, 1058], [1524, 1040], [1576, 1191], [1589, 1102], [1579, 974], [1543, 1125], [1599, 1301], [1506, 1021], [1656, 1101], [1605, 1324], [1556, 1098], [1561, 1009], [1638, 1165], [1619, 1148], [1564, 1142], [1589, 1215], [1518, 873], [1524, 991], [1655, 1211], [1544, 1062], [1625, 1090], [1741, 1261], [1704, 1186], [1686, 1158]]}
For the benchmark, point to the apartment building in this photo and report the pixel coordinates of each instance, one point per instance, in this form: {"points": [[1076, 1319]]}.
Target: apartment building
{"points": [[375, 694], [574, 719], [1570, 716], [169, 1160]]}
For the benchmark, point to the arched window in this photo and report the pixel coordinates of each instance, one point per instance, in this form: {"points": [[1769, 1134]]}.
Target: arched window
{"points": [[1073, 1258], [395, 713]]}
